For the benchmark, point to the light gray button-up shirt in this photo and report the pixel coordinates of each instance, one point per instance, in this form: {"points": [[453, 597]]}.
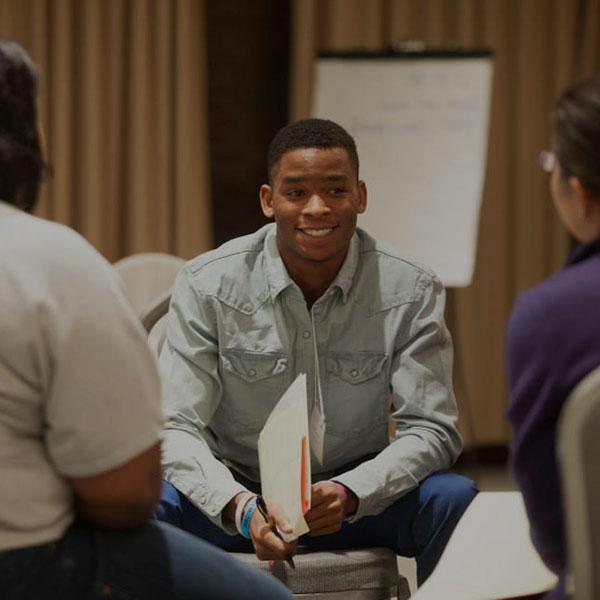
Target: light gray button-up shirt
{"points": [[239, 332]]}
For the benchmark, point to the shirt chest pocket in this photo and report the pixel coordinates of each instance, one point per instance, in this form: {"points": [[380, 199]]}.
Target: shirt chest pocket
{"points": [[253, 382], [357, 390]]}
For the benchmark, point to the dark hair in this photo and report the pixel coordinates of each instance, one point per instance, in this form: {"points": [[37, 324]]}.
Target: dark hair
{"points": [[576, 133], [21, 161], [310, 133]]}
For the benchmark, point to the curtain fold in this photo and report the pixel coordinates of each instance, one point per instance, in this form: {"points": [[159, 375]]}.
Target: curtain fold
{"points": [[540, 46], [123, 105]]}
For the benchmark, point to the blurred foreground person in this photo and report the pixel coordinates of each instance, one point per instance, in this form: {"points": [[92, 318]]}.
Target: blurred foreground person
{"points": [[554, 332], [80, 414]]}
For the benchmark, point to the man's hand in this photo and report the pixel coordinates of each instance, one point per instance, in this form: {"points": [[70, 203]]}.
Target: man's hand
{"points": [[266, 544], [328, 506]]}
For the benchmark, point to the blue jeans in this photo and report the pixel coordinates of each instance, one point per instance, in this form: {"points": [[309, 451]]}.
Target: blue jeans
{"points": [[418, 525], [153, 562]]}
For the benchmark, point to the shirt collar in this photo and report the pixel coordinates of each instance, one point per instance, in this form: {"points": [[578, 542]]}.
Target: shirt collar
{"points": [[278, 278], [345, 275], [584, 251]]}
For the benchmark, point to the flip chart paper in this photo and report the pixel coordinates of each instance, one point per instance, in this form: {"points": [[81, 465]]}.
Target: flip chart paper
{"points": [[421, 126], [284, 457]]}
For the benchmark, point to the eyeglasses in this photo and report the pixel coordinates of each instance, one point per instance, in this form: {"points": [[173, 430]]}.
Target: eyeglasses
{"points": [[547, 160]]}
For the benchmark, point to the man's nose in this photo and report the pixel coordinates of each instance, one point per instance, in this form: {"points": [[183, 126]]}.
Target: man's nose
{"points": [[316, 206]]}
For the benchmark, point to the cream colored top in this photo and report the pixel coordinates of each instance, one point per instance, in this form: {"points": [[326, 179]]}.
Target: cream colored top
{"points": [[79, 391]]}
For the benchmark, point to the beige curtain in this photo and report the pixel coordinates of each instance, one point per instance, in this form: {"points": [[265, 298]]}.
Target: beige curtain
{"points": [[123, 106], [540, 46]]}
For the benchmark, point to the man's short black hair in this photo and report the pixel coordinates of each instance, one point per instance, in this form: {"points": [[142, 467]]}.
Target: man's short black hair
{"points": [[310, 133]]}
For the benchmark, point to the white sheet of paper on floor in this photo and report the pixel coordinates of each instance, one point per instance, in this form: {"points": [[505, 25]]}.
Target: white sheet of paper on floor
{"points": [[489, 555]]}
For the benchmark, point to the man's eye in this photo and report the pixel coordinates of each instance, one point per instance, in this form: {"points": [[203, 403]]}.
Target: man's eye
{"points": [[337, 191], [295, 193]]}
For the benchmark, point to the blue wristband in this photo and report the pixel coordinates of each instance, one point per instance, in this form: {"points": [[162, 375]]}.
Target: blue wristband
{"points": [[248, 514]]}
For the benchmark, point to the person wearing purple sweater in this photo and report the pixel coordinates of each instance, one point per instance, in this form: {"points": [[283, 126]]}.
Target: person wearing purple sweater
{"points": [[553, 338]]}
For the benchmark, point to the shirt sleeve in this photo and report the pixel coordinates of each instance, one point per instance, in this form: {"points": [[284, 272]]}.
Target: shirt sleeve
{"points": [[535, 403], [192, 392], [425, 414], [101, 386]]}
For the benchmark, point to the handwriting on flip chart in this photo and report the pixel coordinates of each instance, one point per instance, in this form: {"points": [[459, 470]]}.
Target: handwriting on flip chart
{"points": [[421, 130]]}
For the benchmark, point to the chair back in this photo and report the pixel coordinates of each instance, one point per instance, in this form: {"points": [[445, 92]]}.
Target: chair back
{"points": [[157, 336], [146, 276], [154, 320], [579, 460], [154, 310]]}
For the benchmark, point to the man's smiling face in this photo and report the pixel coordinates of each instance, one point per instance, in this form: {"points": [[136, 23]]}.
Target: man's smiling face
{"points": [[315, 198]]}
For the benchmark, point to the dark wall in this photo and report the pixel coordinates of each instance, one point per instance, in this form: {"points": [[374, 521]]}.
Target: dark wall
{"points": [[248, 71]]}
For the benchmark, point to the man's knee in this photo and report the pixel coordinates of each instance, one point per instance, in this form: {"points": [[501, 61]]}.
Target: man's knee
{"points": [[448, 490], [169, 509]]}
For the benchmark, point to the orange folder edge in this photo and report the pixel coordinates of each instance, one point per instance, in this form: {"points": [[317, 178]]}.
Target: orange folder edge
{"points": [[305, 498]]}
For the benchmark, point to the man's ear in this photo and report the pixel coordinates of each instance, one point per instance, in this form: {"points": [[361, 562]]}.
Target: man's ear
{"points": [[362, 197], [584, 203], [266, 200]]}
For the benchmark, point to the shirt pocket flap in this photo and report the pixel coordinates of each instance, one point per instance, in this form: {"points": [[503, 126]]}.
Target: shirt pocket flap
{"points": [[355, 367], [253, 366]]}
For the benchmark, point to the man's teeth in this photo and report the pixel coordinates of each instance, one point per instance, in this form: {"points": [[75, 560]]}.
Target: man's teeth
{"points": [[318, 232]]}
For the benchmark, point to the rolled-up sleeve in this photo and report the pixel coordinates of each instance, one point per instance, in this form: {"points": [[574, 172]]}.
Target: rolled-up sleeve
{"points": [[424, 408], [192, 391]]}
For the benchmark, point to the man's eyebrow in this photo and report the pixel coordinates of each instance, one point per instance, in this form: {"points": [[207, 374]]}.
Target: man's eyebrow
{"points": [[293, 179]]}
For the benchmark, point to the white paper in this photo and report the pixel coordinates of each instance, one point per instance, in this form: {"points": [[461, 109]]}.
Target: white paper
{"points": [[284, 453], [489, 555], [421, 129]]}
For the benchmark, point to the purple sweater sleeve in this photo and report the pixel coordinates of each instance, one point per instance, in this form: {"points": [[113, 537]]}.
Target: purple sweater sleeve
{"points": [[536, 398]]}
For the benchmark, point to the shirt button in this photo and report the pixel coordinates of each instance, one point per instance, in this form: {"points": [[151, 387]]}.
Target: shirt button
{"points": [[306, 334], [252, 373], [354, 372]]}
